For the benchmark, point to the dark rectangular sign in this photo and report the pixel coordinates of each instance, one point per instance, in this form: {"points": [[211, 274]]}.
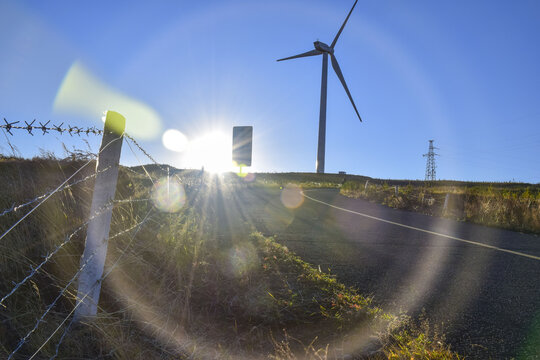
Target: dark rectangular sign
{"points": [[242, 144]]}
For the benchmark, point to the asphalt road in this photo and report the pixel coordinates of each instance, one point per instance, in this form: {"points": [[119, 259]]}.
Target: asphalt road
{"points": [[480, 284]]}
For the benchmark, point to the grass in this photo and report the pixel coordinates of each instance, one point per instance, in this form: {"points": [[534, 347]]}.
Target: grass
{"points": [[305, 180], [182, 289], [506, 205]]}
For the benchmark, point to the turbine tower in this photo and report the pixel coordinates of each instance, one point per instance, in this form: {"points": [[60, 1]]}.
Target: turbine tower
{"points": [[325, 50]]}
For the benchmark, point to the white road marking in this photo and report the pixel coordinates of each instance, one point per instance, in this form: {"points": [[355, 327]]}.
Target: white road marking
{"points": [[426, 231]]}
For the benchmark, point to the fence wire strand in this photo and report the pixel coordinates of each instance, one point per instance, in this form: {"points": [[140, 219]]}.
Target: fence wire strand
{"points": [[80, 301], [65, 289], [123, 201], [35, 270], [46, 260], [51, 305], [15, 208], [72, 130], [52, 193], [129, 137], [45, 128], [140, 163]]}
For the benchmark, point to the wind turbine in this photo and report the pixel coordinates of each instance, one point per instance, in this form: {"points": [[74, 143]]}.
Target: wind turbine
{"points": [[325, 50]]}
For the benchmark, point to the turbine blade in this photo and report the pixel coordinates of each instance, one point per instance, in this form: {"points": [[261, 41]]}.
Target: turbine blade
{"points": [[337, 69], [309, 53], [342, 26]]}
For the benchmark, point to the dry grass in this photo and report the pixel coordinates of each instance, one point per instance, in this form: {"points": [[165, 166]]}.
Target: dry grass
{"points": [[509, 206], [180, 291]]}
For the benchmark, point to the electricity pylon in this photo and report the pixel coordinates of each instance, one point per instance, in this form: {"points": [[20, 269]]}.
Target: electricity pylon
{"points": [[431, 172]]}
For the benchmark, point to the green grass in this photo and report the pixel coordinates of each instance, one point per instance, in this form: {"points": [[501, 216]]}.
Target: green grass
{"points": [[181, 290]]}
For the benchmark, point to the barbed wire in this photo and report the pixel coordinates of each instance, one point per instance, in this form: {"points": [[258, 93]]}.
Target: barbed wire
{"points": [[34, 270], [140, 163], [129, 137], [59, 186], [72, 130], [131, 170], [15, 208], [44, 199], [45, 128], [67, 239], [23, 340], [80, 301], [122, 201]]}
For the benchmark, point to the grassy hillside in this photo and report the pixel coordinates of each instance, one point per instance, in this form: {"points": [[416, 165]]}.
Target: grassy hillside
{"points": [[507, 205], [179, 287]]}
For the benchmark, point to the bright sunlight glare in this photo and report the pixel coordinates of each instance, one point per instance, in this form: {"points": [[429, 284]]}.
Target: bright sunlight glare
{"points": [[174, 140], [213, 151]]}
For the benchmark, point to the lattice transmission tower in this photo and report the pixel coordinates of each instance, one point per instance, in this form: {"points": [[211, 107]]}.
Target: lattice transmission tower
{"points": [[431, 172]]}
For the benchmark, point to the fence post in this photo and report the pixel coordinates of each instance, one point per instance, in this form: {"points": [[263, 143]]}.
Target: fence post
{"points": [[396, 190], [97, 235], [365, 186]]}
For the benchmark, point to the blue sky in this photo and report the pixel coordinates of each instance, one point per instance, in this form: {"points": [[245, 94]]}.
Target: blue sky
{"points": [[463, 73]]}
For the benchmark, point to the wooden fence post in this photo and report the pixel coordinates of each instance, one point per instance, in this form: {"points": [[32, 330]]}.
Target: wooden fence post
{"points": [[97, 235]]}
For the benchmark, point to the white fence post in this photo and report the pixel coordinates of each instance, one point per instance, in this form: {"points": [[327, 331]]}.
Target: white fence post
{"points": [[97, 235]]}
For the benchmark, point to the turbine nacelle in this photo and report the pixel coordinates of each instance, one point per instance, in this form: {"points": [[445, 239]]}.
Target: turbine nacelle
{"points": [[322, 47]]}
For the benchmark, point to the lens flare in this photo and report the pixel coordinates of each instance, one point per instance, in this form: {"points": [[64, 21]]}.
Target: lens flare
{"points": [[82, 93], [174, 140], [168, 195], [242, 258], [291, 196]]}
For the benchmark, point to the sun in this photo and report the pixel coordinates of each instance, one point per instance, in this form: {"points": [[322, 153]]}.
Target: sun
{"points": [[213, 151]]}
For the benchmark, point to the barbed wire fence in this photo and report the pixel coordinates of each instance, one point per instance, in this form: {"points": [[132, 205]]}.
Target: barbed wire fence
{"points": [[15, 207], [45, 128], [46, 197], [79, 300]]}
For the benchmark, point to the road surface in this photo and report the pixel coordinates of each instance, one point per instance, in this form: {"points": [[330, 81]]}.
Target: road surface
{"points": [[482, 284]]}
